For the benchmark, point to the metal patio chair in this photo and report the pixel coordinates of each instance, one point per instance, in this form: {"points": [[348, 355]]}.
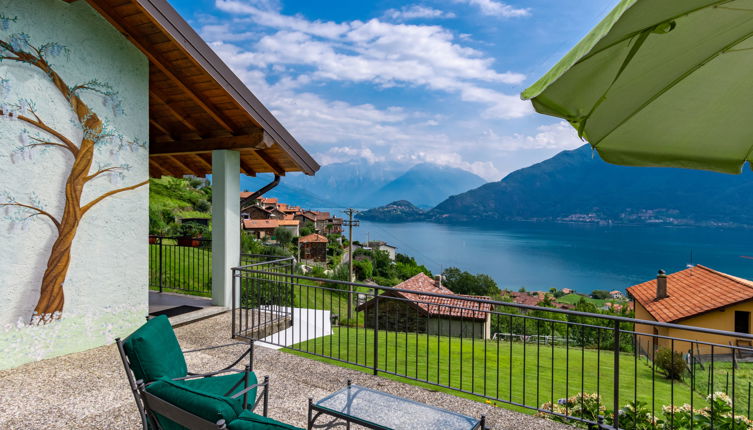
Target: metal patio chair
{"points": [[169, 397]]}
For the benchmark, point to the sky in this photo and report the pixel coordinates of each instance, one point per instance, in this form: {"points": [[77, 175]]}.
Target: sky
{"points": [[406, 81]]}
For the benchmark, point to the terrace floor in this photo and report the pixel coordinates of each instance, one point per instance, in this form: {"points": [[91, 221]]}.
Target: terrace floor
{"points": [[89, 389]]}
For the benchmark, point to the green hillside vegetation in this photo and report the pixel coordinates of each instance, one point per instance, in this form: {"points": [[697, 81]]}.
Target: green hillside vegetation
{"points": [[171, 199]]}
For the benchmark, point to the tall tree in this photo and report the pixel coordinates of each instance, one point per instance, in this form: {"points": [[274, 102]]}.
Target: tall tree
{"points": [[17, 48]]}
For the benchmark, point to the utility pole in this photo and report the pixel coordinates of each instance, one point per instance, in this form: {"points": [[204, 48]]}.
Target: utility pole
{"points": [[350, 223]]}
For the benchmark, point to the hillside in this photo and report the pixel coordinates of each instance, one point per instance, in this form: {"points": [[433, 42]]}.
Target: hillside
{"points": [[399, 211], [577, 186], [425, 185], [173, 198]]}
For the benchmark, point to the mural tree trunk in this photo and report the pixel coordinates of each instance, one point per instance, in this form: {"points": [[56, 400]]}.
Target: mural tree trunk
{"points": [[51, 300]]}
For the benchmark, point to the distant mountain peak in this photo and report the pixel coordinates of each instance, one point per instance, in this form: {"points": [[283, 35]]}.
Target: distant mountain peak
{"points": [[575, 186]]}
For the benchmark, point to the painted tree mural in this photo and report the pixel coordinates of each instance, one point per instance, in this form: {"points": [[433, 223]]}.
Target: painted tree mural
{"points": [[39, 136]]}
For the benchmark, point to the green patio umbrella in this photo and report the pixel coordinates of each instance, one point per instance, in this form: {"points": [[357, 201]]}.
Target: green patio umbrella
{"points": [[660, 83]]}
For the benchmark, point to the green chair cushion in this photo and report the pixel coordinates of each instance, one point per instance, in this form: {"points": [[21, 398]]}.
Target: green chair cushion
{"points": [[153, 351], [248, 420], [209, 406], [219, 385]]}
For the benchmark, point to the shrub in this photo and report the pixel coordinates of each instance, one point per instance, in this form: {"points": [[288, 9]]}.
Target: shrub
{"points": [[600, 294], [670, 363], [362, 269]]}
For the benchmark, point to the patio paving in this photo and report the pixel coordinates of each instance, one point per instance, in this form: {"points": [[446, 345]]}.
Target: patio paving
{"points": [[89, 389]]}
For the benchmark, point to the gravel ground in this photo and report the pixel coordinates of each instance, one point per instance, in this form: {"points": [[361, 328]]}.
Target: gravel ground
{"points": [[89, 389]]}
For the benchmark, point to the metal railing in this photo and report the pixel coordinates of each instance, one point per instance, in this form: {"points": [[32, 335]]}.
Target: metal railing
{"points": [[596, 369], [184, 264], [178, 264], [263, 304]]}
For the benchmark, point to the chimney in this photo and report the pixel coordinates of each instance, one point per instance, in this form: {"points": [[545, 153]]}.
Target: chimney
{"points": [[438, 279], [661, 285]]}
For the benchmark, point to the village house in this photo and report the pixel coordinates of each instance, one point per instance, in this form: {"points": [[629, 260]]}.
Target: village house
{"points": [[334, 226], [383, 246], [697, 296], [567, 291], [265, 228], [617, 295], [313, 248], [534, 299], [417, 313], [258, 212]]}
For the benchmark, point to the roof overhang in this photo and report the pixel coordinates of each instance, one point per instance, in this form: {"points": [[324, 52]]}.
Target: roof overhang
{"points": [[196, 103]]}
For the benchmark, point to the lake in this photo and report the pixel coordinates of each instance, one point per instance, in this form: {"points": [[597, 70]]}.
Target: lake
{"points": [[582, 257]]}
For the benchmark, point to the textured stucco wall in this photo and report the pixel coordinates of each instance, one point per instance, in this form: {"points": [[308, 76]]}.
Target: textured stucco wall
{"points": [[106, 285]]}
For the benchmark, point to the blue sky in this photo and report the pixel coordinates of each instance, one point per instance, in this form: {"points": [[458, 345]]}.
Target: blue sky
{"points": [[403, 81]]}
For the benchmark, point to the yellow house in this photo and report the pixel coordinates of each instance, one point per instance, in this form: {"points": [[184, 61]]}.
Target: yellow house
{"points": [[697, 296]]}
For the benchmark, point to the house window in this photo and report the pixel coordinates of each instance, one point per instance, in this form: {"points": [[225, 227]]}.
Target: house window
{"points": [[742, 322]]}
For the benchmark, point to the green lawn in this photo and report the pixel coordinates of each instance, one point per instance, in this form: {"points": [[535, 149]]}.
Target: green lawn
{"points": [[723, 376], [499, 369], [185, 269], [575, 298]]}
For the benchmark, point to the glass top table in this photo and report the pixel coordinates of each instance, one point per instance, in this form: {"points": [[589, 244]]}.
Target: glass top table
{"points": [[374, 409]]}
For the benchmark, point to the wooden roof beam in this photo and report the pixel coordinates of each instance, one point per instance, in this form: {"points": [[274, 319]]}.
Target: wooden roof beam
{"points": [[269, 161], [246, 169], [155, 167], [159, 63], [177, 115], [208, 144], [159, 127]]}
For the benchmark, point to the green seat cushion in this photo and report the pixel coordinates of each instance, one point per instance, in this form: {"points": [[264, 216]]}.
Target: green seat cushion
{"points": [[153, 351], [219, 385], [209, 406], [250, 421]]}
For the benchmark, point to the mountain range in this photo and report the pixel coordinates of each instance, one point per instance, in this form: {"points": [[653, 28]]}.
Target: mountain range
{"points": [[361, 184], [577, 186]]}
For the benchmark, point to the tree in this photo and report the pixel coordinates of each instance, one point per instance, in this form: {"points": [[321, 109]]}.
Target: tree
{"points": [[308, 228], [462, 282], [362, 269], [94, 134], [600, 294], [283, 236]]}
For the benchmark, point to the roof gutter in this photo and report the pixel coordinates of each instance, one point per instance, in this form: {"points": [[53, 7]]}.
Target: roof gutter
{"points": [[250, 199]]}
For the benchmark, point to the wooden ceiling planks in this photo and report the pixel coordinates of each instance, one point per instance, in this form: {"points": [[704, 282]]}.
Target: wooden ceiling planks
{"points": [[192, 93]]}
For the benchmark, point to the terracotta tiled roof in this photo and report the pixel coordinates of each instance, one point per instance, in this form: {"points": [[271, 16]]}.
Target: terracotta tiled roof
{"points": [[439, 306], [251, 224], [692, 291], [313, 238], [525, 298]]}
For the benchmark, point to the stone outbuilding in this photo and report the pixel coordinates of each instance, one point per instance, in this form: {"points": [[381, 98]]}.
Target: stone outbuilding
{"points": [[405, 309]]}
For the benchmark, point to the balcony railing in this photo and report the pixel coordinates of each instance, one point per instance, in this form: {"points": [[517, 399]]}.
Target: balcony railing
{"points": [[178, 264], [184, 264], [538, 359]]}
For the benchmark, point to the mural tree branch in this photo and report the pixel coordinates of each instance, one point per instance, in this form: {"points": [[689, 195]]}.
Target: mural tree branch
{"points": [[94, 133]]}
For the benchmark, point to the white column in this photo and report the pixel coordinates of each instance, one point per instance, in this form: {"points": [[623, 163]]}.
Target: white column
{"points": [[226, 230]]}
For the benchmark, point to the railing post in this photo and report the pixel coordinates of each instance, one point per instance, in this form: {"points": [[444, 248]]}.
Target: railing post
{"points": [[232, 310], [160, 263], [376, 331], [616, 383]]}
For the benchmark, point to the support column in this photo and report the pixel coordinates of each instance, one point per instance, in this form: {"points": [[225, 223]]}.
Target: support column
{"points": [[226, 228]]}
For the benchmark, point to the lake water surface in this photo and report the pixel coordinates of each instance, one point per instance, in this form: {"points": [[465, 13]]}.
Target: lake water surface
{"points": [[582, 257]]}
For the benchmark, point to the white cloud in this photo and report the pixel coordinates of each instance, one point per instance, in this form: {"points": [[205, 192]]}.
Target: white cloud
{"points": [[378, 52], [417, 12], [497, 8], [339, 154], [559, 135]]}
